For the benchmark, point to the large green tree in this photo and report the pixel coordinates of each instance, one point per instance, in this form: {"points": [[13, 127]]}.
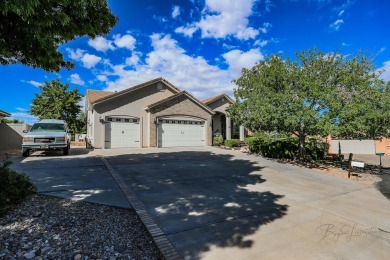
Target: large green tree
{"points": [[317, 94], [32, 30], [56, 101]]}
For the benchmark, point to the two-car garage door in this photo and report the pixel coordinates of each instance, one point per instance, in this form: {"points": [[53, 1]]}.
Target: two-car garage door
{"points": [[173, 132], [122, 132]]}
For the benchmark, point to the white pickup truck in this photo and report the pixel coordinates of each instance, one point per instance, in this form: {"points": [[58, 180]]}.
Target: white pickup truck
{"points": [[47, 134]]}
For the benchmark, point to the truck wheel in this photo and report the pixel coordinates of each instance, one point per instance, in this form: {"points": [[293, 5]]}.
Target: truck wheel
{"points": [[66, 150], [26, 152]]}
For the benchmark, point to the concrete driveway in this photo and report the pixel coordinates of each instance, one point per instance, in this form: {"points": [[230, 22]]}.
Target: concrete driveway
{"points": [[219, 204]]}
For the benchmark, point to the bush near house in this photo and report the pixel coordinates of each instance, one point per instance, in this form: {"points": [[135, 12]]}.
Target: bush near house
{"points": [[14, 187], [232, 143], [218, 140], [286, 147]]}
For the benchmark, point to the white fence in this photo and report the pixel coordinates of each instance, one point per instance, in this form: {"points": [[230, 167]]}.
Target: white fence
{"points": [[11, 135], [353, 146]]}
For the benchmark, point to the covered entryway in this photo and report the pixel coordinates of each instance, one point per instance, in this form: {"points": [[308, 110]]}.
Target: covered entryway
{"points": [[181, 131], [122, 132]]}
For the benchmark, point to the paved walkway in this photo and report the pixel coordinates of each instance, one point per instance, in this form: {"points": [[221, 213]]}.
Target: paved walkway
{"points": [[220, 204]]}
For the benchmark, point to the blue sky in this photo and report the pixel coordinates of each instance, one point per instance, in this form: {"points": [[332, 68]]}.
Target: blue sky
{"points": [[200, 46]]}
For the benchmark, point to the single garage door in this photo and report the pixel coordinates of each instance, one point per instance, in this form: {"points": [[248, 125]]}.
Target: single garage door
{"points": [[122, 133], [181, 132]]}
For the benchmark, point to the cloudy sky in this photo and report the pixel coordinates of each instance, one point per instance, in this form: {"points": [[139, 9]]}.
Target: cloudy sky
{"points": [[202, 45]]}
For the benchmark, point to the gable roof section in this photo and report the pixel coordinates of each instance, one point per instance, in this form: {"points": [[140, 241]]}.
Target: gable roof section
{"points": [[4, 114], [93, 95], [191, 97], [128, 90], [215, 98]]}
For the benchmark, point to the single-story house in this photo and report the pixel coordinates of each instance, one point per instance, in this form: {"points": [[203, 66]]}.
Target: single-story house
{"points": [[154, 114]]}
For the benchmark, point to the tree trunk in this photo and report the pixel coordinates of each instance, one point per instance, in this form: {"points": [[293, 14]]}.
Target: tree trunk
{"points": [[302, 149]]}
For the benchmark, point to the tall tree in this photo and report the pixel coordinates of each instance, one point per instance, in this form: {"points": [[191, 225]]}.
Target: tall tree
{"points": [[57, 102], [316, 95], [32, 30]]}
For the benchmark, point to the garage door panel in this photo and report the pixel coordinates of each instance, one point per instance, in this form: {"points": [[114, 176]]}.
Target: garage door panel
{"points": [[181, 133], [122, 133]]}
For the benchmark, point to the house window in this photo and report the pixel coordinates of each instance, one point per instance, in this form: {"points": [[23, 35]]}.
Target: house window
{"points": [[185, 122], [135, 120], [179, 122], [127, 120], [118, 119], [109, 119]]}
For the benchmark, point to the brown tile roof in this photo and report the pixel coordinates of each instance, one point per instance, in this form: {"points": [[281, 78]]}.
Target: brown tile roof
{"points": [[179, 94], [113, 94], [214, 98], [93, 95]]}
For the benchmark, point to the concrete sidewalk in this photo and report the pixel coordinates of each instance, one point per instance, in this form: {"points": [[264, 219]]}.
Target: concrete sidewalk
{"points": [[80, 176]]}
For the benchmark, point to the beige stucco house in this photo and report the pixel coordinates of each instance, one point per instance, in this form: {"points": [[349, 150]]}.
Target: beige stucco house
{"points": [[154, 114]]}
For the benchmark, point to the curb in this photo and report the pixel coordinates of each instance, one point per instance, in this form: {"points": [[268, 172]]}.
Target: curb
{"points": [[164, 245]]}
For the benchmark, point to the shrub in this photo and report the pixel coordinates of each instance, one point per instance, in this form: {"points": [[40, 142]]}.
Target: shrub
{"points": [[316, 149], [232, 143], [218, 140], [14, 187]]}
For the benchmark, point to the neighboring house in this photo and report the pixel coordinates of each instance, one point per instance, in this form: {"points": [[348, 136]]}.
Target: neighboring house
{"points": [[151, 114], [4, 114]]}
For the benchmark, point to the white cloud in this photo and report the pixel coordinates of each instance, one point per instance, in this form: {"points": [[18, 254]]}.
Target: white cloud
{"points": [[75, 79], [224, 18], [175, 11], [21, 109], [101, 44], [23, 116], [133, 60], [90, 60], [125, 41], [265, 27], [381, 50], [170, 61], [336, 25], [188, 31], [75, 55], [102, 78], [237, 59], [341, 13], [345, 44], [261, 43], [386, 71], [32, 82]]}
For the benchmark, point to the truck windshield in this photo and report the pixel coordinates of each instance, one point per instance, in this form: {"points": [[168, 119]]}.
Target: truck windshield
{"points": [[39, 127]]}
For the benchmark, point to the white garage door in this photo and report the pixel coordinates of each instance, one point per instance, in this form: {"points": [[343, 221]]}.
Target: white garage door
{"points": [[122, 133], [183, 132]]}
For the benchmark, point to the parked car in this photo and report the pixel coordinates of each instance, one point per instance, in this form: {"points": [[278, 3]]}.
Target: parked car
{"points": [[47, 134]]}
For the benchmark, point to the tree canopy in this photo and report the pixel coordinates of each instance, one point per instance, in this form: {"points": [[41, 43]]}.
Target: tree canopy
{"points": [[57, 102], [32, 30], [317, 94]]}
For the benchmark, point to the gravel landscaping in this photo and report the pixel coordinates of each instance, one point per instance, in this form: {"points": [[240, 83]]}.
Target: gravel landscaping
{"points": [[45, 227]]}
